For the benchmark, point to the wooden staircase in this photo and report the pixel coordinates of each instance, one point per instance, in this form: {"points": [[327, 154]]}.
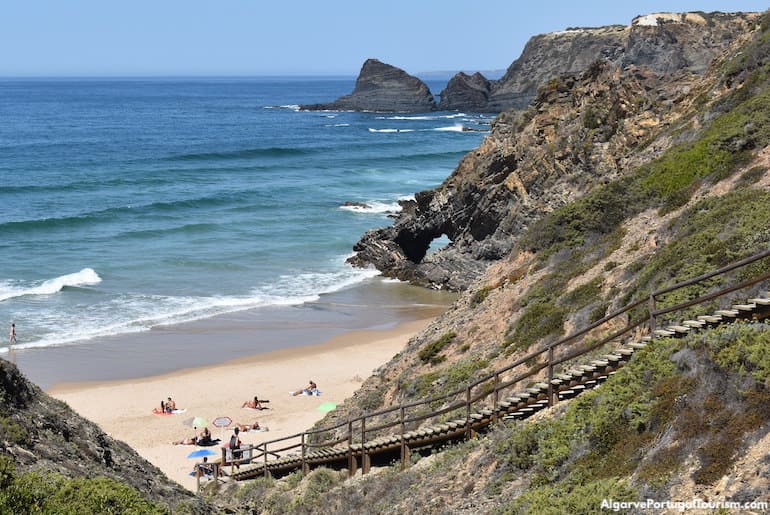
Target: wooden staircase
{"points": [[520, 405]]}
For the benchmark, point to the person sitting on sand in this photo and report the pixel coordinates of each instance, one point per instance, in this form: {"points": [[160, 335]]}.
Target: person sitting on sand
{"points": [[308, 390], [205, 437], [248, 427], [170, 405], [255, 404]]}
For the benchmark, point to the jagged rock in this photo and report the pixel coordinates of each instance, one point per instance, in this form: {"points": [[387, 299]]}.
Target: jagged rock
{"points": [[466, 92], [382, 87]]}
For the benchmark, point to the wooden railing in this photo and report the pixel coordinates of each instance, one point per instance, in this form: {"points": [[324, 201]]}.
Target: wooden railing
{"points": [[490, 389]]}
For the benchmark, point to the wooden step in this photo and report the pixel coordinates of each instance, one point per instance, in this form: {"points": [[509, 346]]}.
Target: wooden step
{"points": [[730, 313]]}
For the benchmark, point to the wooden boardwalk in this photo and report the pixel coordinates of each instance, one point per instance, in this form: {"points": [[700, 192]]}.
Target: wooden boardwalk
{"points": [[359, 443]]}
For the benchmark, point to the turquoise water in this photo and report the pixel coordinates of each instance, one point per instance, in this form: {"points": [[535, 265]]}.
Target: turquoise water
{"points": [[131, 204]]}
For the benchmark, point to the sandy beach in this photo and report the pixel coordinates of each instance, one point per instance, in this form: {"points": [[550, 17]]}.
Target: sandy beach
{"points": [[338, 366]]}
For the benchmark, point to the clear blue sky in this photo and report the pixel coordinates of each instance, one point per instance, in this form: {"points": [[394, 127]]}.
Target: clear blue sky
{"points": [[263, 37]]}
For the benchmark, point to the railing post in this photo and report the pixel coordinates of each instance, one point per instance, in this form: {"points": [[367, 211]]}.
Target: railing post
{"points": [[352, 465], [651, 308], [267, 474], [468, 412], [550, 376], [404, 449], [365, 459], [495, 397], [304, 462], [197, 478]]}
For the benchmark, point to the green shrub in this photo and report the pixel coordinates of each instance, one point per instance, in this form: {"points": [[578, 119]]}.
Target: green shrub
{"points": [[52, 493], [480, 296], [430, 353], [538, 321], [581, 498]]}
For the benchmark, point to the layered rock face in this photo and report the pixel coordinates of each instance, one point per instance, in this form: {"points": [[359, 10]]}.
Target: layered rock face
{"points": [[382, 87], [663, 43], [579, 132]]}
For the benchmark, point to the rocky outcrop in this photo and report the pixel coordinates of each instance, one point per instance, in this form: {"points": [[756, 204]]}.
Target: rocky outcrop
{"points": [[579, 133], [382, 87], [40, 433], [662, 42], [466, 92]]}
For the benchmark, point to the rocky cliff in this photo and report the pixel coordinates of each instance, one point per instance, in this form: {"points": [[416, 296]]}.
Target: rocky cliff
{"points": [[581, 129], [662, 43], [382, 87]]}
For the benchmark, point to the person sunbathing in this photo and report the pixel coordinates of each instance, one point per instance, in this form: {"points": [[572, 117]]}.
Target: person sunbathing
{"points": [[248, 427], [255, 404], [310, 389], [170, 405], [186, 441]]}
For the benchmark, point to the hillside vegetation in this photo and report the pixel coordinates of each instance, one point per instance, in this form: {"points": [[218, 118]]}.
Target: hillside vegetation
{"points": [[684, 195]]}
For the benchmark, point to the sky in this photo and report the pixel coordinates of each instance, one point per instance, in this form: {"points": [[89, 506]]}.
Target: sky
{"points": [[292, 37]]}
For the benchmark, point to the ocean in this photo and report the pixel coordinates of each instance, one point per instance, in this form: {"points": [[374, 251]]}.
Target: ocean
{"points": [[128, 205]]}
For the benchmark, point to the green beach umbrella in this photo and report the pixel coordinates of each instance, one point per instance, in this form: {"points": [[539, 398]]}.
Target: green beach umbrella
{"points": [[196, 422], [327, 406]]}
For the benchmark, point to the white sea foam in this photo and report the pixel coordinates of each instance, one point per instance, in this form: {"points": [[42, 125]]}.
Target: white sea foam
{"points": [[85, 277], [423, 117], [127, 314], [390, 130], [451, 128], [292, 107], [373, 207]]}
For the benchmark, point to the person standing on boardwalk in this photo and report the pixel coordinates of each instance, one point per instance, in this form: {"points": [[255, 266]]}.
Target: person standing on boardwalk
{"points": [[12, 335]]}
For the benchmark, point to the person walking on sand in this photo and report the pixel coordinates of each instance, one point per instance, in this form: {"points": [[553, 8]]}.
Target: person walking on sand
{"points": [[12, 335]]}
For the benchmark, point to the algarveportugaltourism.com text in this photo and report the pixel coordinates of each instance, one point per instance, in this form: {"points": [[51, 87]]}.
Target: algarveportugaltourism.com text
{"points": [[695, 504]]}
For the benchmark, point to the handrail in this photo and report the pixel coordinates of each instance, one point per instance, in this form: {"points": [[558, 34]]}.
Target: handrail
{"points": [[358, 428]]}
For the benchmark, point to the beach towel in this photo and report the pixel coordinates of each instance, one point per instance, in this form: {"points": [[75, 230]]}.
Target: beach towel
{"points": [[157, 411], [314, 391]]}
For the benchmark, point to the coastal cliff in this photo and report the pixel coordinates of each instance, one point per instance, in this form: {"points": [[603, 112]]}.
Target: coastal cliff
{"points": [[384, 88], [664, 43], [581, 129]]}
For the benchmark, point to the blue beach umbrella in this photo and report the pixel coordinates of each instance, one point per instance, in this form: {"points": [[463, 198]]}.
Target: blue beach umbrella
{"points": [[201, 453]]}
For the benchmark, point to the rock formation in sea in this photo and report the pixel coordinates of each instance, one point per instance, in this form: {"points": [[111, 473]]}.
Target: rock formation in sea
{"points": [[466, 92], [382, 87]]}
